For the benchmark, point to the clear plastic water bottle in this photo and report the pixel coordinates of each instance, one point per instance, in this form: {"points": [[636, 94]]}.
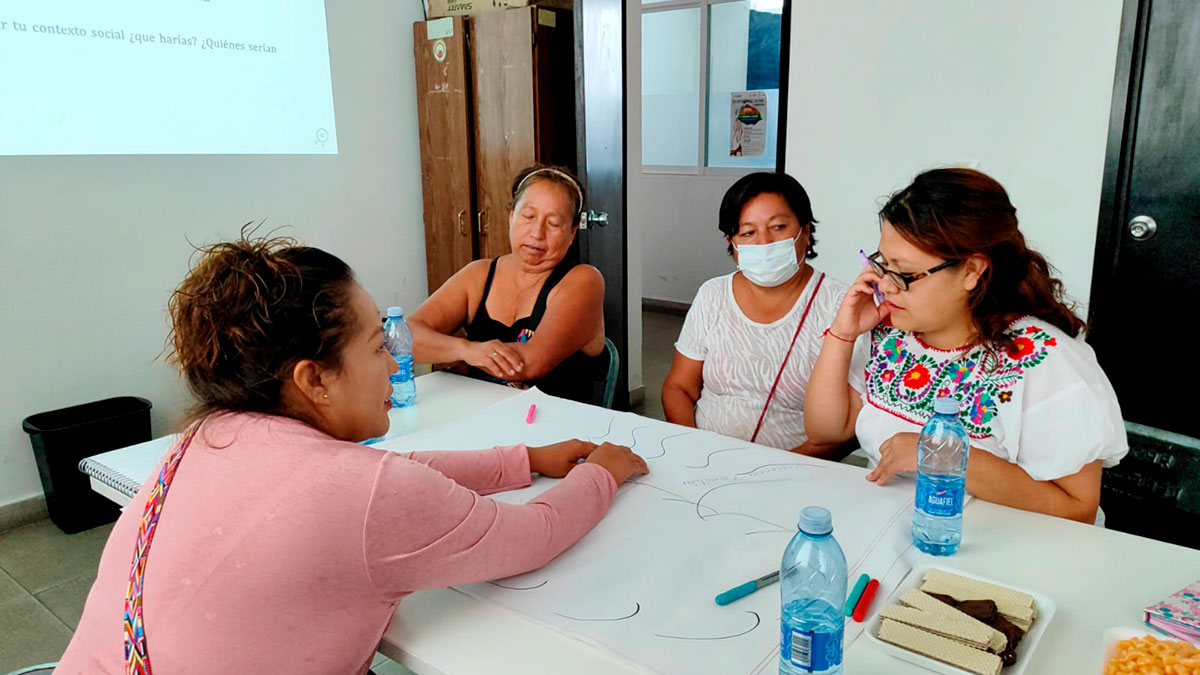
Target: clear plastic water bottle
{"points": [[398, 339], [941, 480], [813, 592]]}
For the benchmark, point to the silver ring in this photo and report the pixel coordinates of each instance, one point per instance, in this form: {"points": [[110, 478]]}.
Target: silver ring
{"points": [[495, 354]]}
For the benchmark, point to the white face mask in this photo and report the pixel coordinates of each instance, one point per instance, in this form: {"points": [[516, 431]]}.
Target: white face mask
{"points": [[768, 265]]}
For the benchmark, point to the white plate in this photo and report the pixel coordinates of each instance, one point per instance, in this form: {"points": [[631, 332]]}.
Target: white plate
{"points": [[1045, 612]]}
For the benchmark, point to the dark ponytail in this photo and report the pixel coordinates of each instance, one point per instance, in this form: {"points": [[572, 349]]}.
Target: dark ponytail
{"points": [[956, 213]]}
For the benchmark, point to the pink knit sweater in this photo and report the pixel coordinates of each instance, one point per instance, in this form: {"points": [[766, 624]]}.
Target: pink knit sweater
{"points": [[281, 549]]}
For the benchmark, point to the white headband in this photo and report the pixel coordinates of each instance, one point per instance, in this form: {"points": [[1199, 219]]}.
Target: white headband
{"points": [[561, 174]]}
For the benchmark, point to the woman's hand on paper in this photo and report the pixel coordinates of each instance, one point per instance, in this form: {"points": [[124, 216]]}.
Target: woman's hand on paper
{"points": [[897, 454], [556, 459], [497, 358], [620, 461], [858, 312]]}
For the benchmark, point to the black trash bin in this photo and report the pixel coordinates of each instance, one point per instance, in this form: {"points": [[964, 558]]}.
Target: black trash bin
{"points": [[63, 438]]}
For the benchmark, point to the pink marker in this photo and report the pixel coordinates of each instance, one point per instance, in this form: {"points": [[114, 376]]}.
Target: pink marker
{"points": [[529, 415]]}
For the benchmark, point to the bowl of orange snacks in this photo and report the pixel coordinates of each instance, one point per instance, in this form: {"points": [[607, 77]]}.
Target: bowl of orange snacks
{"points": [[1131, 651]]}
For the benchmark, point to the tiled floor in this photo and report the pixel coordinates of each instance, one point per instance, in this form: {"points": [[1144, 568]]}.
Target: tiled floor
{"points": [[45, 577], [659, 332]]}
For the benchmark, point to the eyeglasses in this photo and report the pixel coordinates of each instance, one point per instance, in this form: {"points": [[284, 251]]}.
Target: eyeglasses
{"points": [[900, 279]]}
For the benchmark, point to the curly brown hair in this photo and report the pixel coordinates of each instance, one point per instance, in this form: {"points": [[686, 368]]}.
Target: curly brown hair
{"points": [[248, 311], [956, 213]]}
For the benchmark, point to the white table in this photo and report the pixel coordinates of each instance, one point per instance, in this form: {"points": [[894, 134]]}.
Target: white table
{"points": [[1098, 578], [441, 397]]}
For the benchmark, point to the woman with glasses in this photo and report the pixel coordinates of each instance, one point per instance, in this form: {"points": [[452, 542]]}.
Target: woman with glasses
{"points": [[748, 345], [955, 304]]}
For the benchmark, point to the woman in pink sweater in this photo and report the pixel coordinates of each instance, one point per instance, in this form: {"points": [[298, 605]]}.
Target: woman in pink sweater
{"points": [[282, 545]]}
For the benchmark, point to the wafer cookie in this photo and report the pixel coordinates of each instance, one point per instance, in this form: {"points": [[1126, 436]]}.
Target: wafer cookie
{"points": [[1017, 606], [970, 633], [942, 649], [919, 600]]}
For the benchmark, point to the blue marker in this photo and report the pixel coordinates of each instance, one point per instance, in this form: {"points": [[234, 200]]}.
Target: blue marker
{"points": [[747, 588]]}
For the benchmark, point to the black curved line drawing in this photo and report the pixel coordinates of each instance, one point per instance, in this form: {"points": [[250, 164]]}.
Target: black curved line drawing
{"points": [[663, 490], [757, 621], [632, 438], [637, 609], [519, 588], [662, 444], [757, 468], [708, 460], [741, 482], [606, 433], [688, 501]]}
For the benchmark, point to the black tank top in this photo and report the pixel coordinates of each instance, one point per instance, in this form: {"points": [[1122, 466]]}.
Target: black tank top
{"points": [[579, 377]]}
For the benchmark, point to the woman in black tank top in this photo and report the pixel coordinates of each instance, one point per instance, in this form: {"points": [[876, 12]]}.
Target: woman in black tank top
{"points": [[531, 317]]}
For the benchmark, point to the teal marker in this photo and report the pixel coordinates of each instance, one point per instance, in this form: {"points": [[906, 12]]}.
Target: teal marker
{"points": [[738, 592], [856, 593]]}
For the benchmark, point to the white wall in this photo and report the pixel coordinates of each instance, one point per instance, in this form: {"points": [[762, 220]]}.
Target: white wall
{"points": [[90, 247], [683, 247], [881, 90]]}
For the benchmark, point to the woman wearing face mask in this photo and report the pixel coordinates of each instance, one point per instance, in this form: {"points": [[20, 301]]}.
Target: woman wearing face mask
{"points": [[968, 312], [748, 345], [532, 317]]}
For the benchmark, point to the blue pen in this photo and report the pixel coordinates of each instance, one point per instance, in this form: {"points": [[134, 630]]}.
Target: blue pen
{"points": [[747, 588], [866, 262]]}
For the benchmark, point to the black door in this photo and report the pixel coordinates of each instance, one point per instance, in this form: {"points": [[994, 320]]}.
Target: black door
{"points": [[1145, 301], [600, 105]]}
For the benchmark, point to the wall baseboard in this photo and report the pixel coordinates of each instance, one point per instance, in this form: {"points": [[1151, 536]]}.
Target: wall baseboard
{"points": [[665, 306], [23, 512]]}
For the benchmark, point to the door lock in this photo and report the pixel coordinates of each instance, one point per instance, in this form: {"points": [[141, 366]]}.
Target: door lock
{"points": [[1142, 228], [594, 219]]}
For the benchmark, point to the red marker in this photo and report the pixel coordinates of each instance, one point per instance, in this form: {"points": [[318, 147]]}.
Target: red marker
{"points": [[864, 603], [529, 415]]}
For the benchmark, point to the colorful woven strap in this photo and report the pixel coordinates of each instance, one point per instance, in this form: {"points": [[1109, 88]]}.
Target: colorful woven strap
{"points": [[137, 659]]}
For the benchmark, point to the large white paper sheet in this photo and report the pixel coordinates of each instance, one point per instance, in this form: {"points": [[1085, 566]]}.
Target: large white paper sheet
{"points": [[713, 513]]}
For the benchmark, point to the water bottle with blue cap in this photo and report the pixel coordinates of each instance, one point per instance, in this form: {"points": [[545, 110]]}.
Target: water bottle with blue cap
{"points": [[398, 339], [813, 594], [942, 451]]}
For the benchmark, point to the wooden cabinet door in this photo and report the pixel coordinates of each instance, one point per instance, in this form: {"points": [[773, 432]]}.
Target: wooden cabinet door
{"points": [[505, 125], [447, 171]]}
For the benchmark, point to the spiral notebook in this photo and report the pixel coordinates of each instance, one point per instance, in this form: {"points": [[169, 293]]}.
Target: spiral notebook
{"points": [[125, 469]]}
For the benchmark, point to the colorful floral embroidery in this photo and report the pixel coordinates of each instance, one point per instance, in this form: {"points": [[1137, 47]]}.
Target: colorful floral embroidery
{"points": [[906, 384], [917, 377]]}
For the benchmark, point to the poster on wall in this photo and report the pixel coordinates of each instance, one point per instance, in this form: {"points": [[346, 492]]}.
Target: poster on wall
{"points": [[747, 123]]}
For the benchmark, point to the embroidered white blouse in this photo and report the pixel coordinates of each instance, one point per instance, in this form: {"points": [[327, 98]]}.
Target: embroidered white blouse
{"points": [[742, 358], [1044, 404]]}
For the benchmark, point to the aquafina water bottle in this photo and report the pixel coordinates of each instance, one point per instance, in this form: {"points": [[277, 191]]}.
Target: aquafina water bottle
{"points": [[398, 339], [812, 589], [942, 451]]}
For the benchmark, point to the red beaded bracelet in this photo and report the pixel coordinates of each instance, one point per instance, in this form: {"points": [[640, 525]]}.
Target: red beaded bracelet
{"points": [[835, 336]]}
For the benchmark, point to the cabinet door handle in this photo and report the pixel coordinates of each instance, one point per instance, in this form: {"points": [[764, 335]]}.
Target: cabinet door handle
{"points": [[481, 222], [462, 223]]}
